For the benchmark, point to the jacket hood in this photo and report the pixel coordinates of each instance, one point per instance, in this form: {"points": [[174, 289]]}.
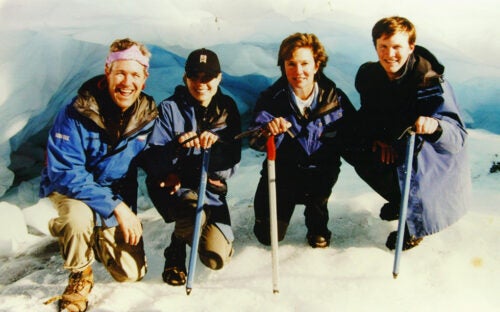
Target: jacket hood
{"points": [[435, 65], [428, 71]]}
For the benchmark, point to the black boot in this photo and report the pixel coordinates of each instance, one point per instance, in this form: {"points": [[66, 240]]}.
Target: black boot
{"points": [[389, 212], [409, 241], [319, 240], [174, 272]]}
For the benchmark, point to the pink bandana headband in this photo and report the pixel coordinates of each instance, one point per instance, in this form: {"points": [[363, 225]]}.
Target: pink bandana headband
{"points": [[133, 53]]}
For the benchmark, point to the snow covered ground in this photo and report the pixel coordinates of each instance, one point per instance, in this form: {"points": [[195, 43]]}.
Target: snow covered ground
{"points": [[457, 269], [51, 46]]}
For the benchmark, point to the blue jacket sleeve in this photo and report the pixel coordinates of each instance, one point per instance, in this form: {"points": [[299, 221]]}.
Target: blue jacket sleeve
{"points": [[67, 167], [261, 119], [454, 135], [162, 150]]}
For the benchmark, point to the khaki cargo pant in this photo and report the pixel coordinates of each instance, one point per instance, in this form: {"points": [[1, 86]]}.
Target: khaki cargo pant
{"points": [[214, 249], [80, 242]]}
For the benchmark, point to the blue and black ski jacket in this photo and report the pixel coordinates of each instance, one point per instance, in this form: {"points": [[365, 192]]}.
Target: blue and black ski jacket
{"points": [[93, 150], [179, 114], [312, 146]]}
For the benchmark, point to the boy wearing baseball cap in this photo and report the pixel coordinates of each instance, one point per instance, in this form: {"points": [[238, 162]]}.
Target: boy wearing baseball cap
{"points": [[197, 116]]}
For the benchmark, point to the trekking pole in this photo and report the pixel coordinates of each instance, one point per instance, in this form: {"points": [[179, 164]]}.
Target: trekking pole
{"points": [[404, 201], [197, 223], [271, 178]]}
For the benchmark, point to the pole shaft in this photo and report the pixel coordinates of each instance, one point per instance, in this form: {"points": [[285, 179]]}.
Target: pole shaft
{"points": [[404, 203], [271, 174], [197, 223]]}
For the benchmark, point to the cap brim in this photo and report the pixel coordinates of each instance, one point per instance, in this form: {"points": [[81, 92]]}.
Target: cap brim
{"points": [[193, 72]]}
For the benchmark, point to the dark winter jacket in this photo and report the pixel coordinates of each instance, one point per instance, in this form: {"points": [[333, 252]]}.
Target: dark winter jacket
{"points": [[180, 113], [441, 186], [311, 147], [94, 149]]}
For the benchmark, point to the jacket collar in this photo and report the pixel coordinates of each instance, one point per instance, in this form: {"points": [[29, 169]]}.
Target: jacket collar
{"points": [[93, 102], [422, 66], [326, 102]]}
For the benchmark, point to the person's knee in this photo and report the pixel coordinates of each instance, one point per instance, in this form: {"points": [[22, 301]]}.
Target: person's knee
{"points": [[184, 227], [80, 225], [211, 260], [131, 274], [262, 231], [128, 268], [75, 218], [215, 249], [124, 262]]}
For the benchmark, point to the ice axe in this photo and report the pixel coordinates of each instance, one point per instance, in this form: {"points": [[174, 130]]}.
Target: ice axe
{"points": [[197, 223], [410, 146], [273, 218]]}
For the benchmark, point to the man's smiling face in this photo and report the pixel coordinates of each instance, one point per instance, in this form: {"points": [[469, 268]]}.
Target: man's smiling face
{"points": [[126, 79], [393, 52]]}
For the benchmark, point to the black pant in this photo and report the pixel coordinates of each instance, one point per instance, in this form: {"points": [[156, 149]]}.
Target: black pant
{"points": [[310, 187], [382, 178]]}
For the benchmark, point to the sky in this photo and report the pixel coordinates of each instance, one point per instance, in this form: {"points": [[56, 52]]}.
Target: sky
{"points": [[50, 47]]}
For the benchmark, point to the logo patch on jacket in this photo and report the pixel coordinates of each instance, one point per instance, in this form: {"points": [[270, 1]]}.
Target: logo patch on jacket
{"points": [[61, 136]]}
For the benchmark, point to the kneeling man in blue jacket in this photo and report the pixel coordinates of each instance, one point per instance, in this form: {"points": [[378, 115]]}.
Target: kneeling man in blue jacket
{"points": [[93, 151]]}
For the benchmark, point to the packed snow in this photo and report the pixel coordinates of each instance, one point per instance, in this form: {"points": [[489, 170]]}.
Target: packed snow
{"points": [[50, 47]]}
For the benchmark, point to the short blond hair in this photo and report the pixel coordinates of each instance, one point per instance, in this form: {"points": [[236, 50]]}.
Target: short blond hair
{"points": [[124, 44]]}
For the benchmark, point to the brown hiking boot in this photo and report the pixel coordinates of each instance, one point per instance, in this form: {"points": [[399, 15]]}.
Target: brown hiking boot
{"points": [[75, 296]]}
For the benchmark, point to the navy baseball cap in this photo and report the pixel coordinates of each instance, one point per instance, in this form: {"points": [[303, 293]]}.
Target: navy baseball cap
{"points": [[202, 60]]}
